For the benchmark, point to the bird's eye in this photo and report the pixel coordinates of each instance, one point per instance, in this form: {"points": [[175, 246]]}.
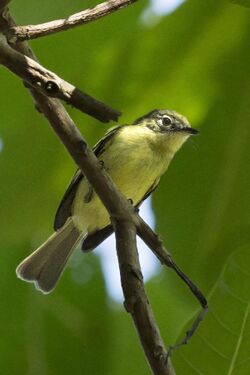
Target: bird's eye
{"points": [[166, 120]]}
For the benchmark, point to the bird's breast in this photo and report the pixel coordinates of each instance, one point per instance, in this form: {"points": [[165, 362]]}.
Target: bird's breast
{"points": [[134, 163]]}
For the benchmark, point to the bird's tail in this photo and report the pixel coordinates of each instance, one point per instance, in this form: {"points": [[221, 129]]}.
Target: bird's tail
{"points": [[45, 265]]}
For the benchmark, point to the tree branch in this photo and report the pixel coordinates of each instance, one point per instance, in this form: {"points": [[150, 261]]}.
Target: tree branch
{"points": [[51, 85], [35, 31], [136, 301], [122, 215]]}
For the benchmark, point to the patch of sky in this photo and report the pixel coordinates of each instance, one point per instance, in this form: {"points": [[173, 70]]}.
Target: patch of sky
{"points": [[158, 9], [109, 261]]}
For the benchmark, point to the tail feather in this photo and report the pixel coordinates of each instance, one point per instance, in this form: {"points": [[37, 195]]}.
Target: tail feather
{"points": [[44, 267]]}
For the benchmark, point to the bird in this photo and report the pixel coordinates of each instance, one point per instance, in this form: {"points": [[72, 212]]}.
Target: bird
{"points": [[135, 156]]}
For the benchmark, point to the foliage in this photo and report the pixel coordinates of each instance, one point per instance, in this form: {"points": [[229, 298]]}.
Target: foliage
{"points": [[223, 340], [196, 61]]}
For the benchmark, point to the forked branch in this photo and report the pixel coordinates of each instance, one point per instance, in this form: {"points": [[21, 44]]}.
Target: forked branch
{"points": [[51, 85]]}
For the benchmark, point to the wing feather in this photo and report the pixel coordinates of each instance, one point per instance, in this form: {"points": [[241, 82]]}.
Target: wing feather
{"points": [[64, 209]]}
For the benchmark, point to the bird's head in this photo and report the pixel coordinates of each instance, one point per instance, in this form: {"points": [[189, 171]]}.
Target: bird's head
{"points": [[166, 121], [171, 127]]}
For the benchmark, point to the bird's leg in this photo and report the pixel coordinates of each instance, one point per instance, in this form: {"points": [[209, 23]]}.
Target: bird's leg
{"points": [[102, 165]]}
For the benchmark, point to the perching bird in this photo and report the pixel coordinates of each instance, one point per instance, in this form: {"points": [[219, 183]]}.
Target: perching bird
{"points": [[135, 156]]}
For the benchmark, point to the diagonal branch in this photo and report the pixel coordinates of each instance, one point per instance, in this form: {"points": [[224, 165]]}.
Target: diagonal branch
{"points": [[155, 244], [35, 31], [51, 85]]}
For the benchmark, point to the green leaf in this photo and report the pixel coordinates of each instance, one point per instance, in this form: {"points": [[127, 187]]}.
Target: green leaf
{"points": [[221, 345]]}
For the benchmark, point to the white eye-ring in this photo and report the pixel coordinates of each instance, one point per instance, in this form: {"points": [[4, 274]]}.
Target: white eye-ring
{"points": [[166, 120]]}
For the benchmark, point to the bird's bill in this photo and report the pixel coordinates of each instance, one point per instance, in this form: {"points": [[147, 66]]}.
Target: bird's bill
{"points": [[189, 130]]}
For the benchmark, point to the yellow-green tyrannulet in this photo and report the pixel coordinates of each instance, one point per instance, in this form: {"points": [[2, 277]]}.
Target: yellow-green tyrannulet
{"points": [[135, 156]]}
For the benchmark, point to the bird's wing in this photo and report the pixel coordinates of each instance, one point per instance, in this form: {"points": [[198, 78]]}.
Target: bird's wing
{"points": [[149, 192], [64, 209], [100, 147], [92, 240]]}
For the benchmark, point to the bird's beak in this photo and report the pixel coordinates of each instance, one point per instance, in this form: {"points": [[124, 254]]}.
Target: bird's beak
{"points": [[189, 130]]}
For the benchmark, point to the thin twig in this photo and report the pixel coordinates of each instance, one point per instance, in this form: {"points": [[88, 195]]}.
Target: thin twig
{"points": [[155, 244], [121, 211], [35, 31], [51, 85]]}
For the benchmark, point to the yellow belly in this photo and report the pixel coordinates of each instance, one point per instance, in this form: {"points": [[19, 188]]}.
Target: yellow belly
{"points": [[133, 165]]}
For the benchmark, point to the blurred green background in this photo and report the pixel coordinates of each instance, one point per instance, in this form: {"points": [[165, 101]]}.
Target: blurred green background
{"points": [[196, 61]]}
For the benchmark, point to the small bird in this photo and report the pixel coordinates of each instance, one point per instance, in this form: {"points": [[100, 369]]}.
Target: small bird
{"points": [[135, 156]]}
